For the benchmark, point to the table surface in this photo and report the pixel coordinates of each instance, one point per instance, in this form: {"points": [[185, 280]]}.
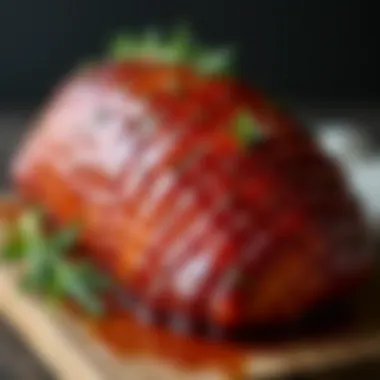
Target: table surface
{"points": [[17, 362]]}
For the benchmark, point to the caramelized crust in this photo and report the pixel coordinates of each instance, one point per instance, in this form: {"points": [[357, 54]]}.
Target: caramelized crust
{"points": [[182, 213]]}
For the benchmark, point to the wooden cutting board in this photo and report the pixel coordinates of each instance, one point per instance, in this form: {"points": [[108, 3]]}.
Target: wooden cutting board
{"points": [[70, 346]]}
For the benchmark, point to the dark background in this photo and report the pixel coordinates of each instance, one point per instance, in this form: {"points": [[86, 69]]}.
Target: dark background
{"points": [[299, 49]]}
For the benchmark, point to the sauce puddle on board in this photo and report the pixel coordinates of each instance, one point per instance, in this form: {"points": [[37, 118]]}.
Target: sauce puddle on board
{"points": [[126, 337]]}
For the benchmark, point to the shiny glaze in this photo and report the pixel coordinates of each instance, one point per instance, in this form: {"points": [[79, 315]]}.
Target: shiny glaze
{"points": [[173, 206]]}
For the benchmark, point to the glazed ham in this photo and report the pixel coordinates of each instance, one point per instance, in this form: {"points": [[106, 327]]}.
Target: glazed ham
{"points": [[196, 194]]}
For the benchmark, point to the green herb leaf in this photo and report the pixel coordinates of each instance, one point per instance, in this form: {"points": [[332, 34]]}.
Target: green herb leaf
{"points": [[178, 47], [91, 277], [81, 284], [63, 240], [246, 128], [13, 249], [181, 44], [48, 269], [125, 47], [39, 271], [30, 229], [215, 61]]}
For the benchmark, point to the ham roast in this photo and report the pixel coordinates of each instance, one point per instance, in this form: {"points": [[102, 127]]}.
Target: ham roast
{"points": [[195, 193]]}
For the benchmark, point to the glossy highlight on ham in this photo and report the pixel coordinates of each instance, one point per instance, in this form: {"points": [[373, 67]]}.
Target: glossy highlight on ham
{"points": [[189, 214]]}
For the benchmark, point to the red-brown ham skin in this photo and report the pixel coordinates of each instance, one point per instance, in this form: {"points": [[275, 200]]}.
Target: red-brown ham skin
{"points": [[180, 210]]}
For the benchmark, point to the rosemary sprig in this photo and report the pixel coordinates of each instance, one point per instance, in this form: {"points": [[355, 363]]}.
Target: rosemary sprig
{"points": [[178, 47], [48, 269]]}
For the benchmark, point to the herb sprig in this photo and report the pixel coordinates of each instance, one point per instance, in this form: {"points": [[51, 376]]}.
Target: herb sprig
{"points": [[48, 270], [246, 129], [177, 47]]}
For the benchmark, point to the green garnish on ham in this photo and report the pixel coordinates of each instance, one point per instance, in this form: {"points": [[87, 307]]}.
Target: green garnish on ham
{"points": [[175, 48], [246, 129], [47, 269]]}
